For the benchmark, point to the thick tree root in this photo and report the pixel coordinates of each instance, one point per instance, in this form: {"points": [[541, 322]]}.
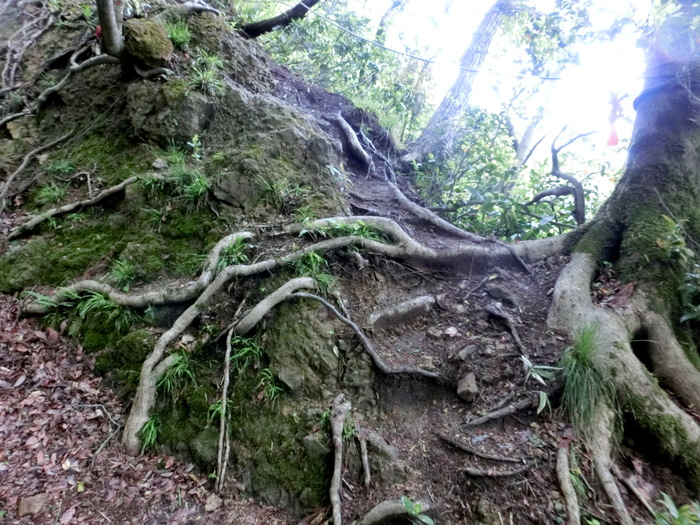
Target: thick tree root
{"points": [[387, 510], [339, 412], [404, 248], [601, 448], [490, 473], [567, 489], [155, 365], [638, 391]]}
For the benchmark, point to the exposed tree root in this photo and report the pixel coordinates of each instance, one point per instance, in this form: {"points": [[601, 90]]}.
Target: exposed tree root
{"points": [[638, 391], [501, 412], [223, 445], [25, 162], [632, 488], [362, 439], [461, 446], [601, 448], [67, 208], [155, 365], [567, 488], [405, 248], [497, 311], [14, 116], [356, 149], [387, 510], [339, 411], [481, 473], [378, 362]]}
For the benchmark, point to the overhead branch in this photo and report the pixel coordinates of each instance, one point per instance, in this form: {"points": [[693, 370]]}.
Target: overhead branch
{"points": [[579, 212], [299, 11]]}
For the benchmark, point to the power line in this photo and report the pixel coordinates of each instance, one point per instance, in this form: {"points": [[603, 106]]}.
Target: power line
{"points": [[415, 57]]}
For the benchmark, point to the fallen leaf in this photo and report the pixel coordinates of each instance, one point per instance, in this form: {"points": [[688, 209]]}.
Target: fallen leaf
{"points": [[68, 515]]}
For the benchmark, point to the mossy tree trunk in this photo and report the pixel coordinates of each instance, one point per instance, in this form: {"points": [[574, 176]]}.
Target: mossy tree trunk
{"points": [[649, 230]]}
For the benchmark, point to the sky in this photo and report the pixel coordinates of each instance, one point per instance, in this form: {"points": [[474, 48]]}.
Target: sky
{"points": [[442, 29]]}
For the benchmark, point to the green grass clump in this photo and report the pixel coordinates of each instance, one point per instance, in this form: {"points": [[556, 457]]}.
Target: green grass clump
{"points": [[179, 34], [585, 385], [50, 193]]}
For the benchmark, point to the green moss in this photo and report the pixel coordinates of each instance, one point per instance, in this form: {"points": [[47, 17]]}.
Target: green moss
{"points": [[673, 441], [209, 32], [599, 241], [121, 363], [147, 40]]}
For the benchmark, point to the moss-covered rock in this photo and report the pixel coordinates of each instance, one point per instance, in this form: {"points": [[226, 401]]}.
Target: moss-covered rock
{"points": [[120, 364], [167, 112], [146, 39]]}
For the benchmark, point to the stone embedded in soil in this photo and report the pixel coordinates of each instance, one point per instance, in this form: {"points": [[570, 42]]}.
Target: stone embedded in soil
{"points": [[213, 503], [467, 388], [467, 351], [402, 312], [31, 505]]}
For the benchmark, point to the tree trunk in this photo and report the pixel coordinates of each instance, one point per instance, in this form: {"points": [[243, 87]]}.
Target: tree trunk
{"points": [[439, 135], [648, 228], [297, 12]]}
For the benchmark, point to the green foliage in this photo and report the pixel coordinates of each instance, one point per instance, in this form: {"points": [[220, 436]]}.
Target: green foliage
{"points": [[338, 229], [482, 189], [215, 410], [206, 75], [50, 193], [179, 33], [413, 508], [269, 389], [672, 515], [278, 192], [391, 86], [585, 386], [106, 310], [60, 166], [675, 247], [178, 376], [246, 352], [233, 254], [149, 434], [122, 273]]}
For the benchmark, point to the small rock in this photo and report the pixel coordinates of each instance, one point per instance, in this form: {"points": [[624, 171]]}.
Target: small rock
{"points": [[467, 388], [435, 332], [489, 351], [451, 332], [213, 503], [159, 164], [467, 351], [31, 505]]}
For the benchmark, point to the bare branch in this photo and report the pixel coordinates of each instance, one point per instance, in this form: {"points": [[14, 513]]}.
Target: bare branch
{"points": [[297, 12]]}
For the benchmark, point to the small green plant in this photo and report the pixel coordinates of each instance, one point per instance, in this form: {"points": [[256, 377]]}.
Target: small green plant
{"points": [[278, 192], [50, 193], [215, 410], [60, 166], [233, 254], [179, 34], [122, 273], [539, 373], [196, 145], [177, 376], [585, 386], [206, 80], [413, 508], [209, 60], [672, 515], [270, 390], [311, 264], [337, 229], [106, 310], [246, 352], [349, 429], [149, 434], [88, 12]]}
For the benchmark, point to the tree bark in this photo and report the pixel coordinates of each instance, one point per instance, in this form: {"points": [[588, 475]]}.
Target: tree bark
{"points": [[297, 12], [439, 135]]}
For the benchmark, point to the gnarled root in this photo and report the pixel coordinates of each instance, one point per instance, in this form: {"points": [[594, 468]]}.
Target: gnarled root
{"points": [[567, 488], [155, 365], [639, 394], [339, 412]]}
